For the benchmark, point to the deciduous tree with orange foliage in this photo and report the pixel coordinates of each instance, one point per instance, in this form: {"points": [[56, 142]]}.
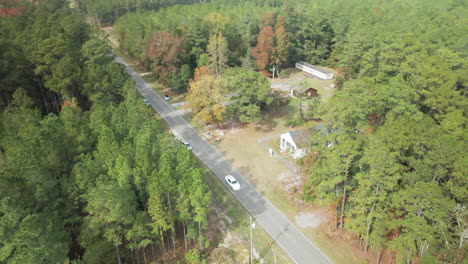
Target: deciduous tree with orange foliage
{"points": [[200, 72], [263, 52], [272, 46], [164, 51]]}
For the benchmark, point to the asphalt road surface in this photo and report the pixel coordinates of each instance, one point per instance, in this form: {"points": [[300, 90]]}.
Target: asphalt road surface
{"points": [[293, 242]]}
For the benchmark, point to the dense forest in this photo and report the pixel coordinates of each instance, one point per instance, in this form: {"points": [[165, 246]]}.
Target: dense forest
{"points": [[391, 152], [397, 170], [88, 175], [108, 11]]}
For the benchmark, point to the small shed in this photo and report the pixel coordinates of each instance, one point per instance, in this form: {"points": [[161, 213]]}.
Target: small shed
{"points": [[295, 142], [311, 92], [314, 70]]}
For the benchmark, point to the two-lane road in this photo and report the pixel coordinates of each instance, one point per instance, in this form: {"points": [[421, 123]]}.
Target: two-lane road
{"points": [[293, 242]]}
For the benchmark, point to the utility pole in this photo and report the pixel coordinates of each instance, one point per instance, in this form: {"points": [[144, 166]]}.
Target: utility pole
{"points": [[251, 227]]}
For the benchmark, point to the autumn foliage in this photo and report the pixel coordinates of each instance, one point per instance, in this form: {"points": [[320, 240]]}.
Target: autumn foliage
{"points": [[200, 72], [164, 51], [10, 11], [263, 52], [11, 8], [280, 53], [272, 42], [207, 97]]}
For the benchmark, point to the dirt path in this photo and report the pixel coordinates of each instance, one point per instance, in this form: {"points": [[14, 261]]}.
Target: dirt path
{"points": [[113, 41]]}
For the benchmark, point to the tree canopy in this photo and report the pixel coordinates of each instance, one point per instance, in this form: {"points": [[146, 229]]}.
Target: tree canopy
{"points": [[87, 174]]}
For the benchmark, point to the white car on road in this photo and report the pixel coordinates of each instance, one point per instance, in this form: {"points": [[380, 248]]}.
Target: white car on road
{"points": [[232, 182]]}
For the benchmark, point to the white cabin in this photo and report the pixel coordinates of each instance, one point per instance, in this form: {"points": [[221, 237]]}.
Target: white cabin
{"points": [[295, 142]]}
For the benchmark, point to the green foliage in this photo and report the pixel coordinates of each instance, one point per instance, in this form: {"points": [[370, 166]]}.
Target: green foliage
{"points": [[296, 120], [96, 51], [108, 11], [101, 252], [310, 33], [251, 93], [179, 81], [32, 222], [104, 82], [38, 236], [54, 52], [424, 219], [203, 60], [192, 257]]}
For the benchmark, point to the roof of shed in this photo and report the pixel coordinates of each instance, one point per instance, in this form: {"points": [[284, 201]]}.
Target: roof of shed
{"points": [[309, 89]]}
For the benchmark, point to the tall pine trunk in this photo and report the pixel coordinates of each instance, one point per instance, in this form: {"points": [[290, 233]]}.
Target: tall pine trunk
{"points": [[185, 237], [118, 253], [152, 251], [44, 99], [343, 206], [162, 252], [379, 256], [172, 227], [199, 236], [163, 247], [173, 240], [144, 255], [138, 256], [336, 217], [133, 257], [58, 102], [369, 225]]}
